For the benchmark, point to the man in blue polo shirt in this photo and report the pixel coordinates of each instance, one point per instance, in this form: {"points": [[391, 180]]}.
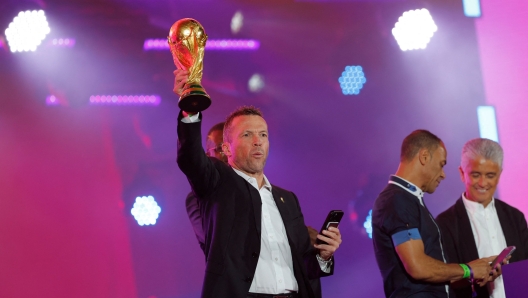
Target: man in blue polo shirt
{"points": [[407, 241]]}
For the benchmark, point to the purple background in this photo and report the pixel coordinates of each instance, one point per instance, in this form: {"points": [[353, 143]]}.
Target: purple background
{"points": [[69, 173]]}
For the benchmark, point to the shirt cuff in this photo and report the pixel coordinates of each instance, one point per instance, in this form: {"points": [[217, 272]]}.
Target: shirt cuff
{"points": [[326, 266], [191, 119]]}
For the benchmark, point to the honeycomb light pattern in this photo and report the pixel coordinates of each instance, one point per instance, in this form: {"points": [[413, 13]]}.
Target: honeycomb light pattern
{"points": [[352, 80], [146, 210], [414, 29], [27, 31]]}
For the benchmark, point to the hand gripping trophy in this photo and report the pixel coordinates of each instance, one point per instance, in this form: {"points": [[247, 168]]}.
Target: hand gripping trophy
{"points": [[187, 43]]}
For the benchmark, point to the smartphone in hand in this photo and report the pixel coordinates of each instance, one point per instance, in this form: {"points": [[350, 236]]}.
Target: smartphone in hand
{"points": [[503, 255], [332, 220]]}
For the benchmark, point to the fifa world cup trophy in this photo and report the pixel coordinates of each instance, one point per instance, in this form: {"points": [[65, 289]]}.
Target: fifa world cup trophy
{"points": [[187, 44]]}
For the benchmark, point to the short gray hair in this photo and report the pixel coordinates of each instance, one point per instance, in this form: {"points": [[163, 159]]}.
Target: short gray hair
{"points": [[482, 147]]}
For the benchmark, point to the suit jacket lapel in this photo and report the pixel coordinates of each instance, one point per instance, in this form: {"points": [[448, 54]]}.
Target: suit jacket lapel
{"points": [[256, 201], [507, 228], [281, 204], [466, 238], [302, 279]]}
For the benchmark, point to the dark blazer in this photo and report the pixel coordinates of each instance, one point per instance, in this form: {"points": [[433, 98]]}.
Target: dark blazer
{"points": [[231, 210], [459, 241], [193, 211]]}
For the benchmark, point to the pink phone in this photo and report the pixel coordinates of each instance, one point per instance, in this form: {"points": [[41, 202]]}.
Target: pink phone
{"points": [[503, 255]]}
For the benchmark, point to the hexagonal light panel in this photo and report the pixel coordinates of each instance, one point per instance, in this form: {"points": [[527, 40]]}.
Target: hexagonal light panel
{"points": [[352, 80], [146, 211], [27, 31], [414, 29]]}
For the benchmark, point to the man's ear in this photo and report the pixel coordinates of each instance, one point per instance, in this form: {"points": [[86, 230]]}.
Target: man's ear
{"points": [[424, 156], [462, 177], [226, 149]]}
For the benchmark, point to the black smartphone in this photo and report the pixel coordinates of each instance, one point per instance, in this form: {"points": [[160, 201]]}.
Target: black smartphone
{"points": [[332, 220], [503, 255]]}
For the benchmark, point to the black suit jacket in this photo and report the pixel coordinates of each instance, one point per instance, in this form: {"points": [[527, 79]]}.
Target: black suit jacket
{"points": [[231, 210], [193, 211], [459, 241]]}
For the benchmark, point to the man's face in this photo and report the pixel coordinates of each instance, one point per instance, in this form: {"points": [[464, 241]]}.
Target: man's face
{"points": [[435, 168], [214, 145], [249, 146], [481, 177]]}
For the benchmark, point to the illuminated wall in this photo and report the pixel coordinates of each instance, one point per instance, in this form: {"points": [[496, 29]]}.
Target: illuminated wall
{"points": [[503, 48]]}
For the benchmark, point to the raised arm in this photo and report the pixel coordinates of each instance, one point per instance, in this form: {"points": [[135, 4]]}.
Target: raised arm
{"points": [[199, 169]]}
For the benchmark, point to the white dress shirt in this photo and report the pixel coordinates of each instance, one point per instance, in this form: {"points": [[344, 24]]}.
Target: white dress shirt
{"points": [[274, 273], [489, 237]]}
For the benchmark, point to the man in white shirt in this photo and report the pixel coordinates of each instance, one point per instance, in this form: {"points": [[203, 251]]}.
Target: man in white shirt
{"points": [[478, 224], [256, 242], [213, 148]]}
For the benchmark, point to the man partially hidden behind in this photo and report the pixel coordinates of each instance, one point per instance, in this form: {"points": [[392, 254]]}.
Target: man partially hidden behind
{"points": [[407, 241], [478, 224], [256, 242]]}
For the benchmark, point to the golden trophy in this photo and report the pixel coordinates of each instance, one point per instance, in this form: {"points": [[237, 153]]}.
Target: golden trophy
{"points": [[187, 44]]}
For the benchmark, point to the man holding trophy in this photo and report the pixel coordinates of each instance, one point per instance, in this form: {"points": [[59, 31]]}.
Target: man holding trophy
{"points": [[256, 242]]}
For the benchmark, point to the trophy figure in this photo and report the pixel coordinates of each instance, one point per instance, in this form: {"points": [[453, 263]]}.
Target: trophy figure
{"points": [[187, 43]]}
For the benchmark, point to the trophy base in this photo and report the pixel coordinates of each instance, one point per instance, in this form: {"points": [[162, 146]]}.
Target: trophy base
{"points": [[194, 99]]}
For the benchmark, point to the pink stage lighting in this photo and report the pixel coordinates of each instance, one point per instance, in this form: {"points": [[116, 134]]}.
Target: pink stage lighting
{"points": [[212, 44], [63, 42], [152, 100], [52, 100]]}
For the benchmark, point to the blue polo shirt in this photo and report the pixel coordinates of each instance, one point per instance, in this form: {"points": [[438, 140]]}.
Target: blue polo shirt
{"points": [[399, 215]]}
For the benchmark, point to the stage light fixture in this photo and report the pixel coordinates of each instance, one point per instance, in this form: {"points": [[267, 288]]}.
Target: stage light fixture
{"points": [[487, 123], [237, 22], [212, 44], [472, 8], [153, 100], [63, 42], [352, 80], [256, 83], [414, 29], [146, 210], [27, 31], [368, 224]]}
